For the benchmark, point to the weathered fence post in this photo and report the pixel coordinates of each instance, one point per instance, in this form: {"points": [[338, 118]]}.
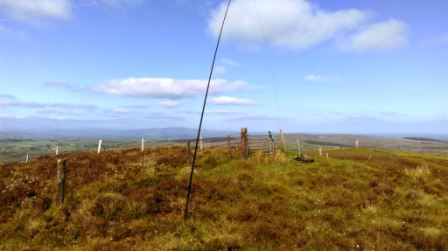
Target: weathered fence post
{"points": [[244, 143], [27, 158], [298, 146], [320, 151], [282, 137], [99, 145], [229, 145], [57, 150], [189, 150], [271, 143], [356, 143], [143, 145], [201, 147], [326, 155], [61, 177]]}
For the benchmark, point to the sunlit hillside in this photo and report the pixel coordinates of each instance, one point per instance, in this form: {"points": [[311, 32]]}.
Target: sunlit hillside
{"points": [[128, 200]]}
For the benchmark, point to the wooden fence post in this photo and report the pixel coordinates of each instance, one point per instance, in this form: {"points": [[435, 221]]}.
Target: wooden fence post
{"points": [[61, 177], [229, 146], [57, 150], [271, 143], [244, 143], [99, 145], [201, 147], [298, 146], [27, 158], [189, 150], [320, 151], [282, 137], [326, 155], [143, 145], [356, 143]]}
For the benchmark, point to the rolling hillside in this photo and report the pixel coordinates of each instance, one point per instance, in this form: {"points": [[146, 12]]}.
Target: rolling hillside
{"points": [[362, 199]]}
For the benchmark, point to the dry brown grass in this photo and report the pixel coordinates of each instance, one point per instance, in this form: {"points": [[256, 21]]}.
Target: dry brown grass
{"points": [[134, 201]]}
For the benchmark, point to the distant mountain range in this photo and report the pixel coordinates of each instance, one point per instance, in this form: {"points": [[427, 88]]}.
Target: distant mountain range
{"points": [[171, 133]]}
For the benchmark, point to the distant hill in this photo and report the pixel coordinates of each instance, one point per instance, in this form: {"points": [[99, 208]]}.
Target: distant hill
{"points": [[171, 133], [423, 139]]}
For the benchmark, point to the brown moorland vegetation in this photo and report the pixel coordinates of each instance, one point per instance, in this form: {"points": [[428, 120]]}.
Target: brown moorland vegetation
{"points": [[361, 199]]}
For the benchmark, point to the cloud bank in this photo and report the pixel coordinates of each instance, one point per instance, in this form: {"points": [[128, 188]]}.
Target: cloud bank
{"points": [[166, 88]]}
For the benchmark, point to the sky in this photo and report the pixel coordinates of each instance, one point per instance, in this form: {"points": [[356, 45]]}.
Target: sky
{"points": [[312, 66]]}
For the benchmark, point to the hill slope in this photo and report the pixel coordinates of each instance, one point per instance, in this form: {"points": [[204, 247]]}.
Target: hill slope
{"points": [[357, 198]]}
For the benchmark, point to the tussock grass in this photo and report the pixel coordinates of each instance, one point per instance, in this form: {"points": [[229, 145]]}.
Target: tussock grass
{"points": [[134, 201], [421, 173]]}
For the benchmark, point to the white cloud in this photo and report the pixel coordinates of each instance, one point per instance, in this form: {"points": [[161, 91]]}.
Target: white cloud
{"points": [[166, 87], [35, 10], [223, 100], [379, 36], [169, 103], [312, 78], [293, 23], [298, 24]]}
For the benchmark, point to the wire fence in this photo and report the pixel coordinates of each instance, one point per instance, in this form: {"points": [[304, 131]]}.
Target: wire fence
{"points": [[17, 151]]}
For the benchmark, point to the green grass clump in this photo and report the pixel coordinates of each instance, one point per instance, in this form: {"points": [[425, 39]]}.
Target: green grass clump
{"points": [[358, 199]]}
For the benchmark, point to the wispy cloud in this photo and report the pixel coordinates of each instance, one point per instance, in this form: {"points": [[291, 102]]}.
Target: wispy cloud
{"points": [[298, 24], [7, 101], [62, 84], [443, 39], [313, 78], [259, 118], [379, 36], [224, 100], [438, 40], [122, 3], [221, 112], [224, 65], [169, 103], [36, 11], [10, 33], [166, 88]]}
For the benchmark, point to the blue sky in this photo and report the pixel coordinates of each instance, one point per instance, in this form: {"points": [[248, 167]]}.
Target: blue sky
{"points": [[301, 65]]}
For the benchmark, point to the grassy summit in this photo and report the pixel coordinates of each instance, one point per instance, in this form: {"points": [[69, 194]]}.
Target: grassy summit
{"points": [[127, 200]]}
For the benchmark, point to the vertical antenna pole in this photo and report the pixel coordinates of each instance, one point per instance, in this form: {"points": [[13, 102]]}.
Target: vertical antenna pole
{"points": [[202, 113]]}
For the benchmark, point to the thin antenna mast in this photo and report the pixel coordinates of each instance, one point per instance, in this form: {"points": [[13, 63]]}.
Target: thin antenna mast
{"points": [[202, 114]]}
